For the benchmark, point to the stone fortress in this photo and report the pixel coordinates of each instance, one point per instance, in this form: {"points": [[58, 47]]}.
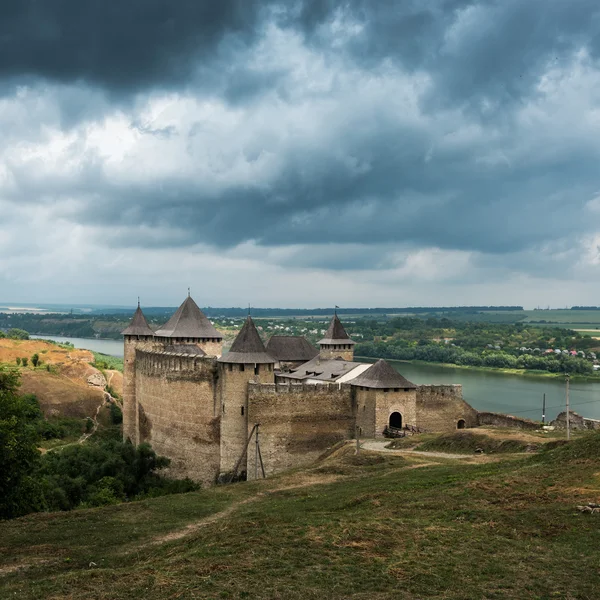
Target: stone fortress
{"points": [[199, 407]]}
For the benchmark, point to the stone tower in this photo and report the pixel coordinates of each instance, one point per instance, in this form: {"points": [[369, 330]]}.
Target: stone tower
{"points": [[189, 325], [246, 361], [336, 343], [137, 335], [383, 398]]}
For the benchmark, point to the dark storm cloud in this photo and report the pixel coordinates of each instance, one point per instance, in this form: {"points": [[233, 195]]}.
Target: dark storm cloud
{"points": [[141, 44], [482, 60], [123, 46]]}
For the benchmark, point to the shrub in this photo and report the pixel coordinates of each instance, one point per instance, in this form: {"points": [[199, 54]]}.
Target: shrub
{"points": [[116, 414]]}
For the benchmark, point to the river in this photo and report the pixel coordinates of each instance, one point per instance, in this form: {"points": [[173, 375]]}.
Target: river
{"points": [[110, 347], [517, 395]]}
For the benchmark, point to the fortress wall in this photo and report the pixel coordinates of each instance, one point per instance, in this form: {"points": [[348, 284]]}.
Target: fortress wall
{"points": [[212, 348], [178, 412], [328, 353], [365, 411], [440, 407], [233, 394], [130, 407], [502, 420], [386, 403], [374, 407], [298, 422]]}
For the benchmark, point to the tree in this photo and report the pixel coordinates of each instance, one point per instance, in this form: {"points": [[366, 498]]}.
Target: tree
{"points": [[19, 456], [35, 359], [18, 334]]}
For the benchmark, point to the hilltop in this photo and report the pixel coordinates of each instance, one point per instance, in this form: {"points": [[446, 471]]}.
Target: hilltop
{"points": [[367, 526]]}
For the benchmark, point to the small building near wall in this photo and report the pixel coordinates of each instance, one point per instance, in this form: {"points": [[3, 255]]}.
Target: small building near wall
{"points": [[384, 398]]}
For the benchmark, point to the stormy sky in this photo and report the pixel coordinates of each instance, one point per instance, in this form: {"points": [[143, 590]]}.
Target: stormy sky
{"points": [[300, 153]]}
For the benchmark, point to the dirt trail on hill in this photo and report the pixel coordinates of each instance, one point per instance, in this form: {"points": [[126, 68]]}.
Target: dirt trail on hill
{"points": [[380, 446]]}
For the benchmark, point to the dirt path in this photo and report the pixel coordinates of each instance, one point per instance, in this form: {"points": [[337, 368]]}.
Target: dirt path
{"points": [[380, 446]]}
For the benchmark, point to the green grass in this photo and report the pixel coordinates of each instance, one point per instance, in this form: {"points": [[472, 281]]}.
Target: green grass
{"points": [[468, 442], [448, 530], [105, 361]]}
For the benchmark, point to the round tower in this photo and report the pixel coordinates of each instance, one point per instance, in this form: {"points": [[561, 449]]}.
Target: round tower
{"points": [[336, 343], [137, 335], [247, 361]]}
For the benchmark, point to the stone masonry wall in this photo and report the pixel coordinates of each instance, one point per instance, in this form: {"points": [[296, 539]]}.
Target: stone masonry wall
{"points": [[328, 353], [130, 407], [298, 422], [502, 420], [386, 403], [440, 407], [365, 411], [178, 412], [212, 348], [233, 394]]}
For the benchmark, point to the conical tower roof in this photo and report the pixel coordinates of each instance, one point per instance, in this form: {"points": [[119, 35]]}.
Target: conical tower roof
{"points": [[336, 334], [247, 347], [138, 325], [188, 322], [381, 375]]}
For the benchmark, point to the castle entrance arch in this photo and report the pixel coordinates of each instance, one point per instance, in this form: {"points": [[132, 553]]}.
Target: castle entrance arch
{"points": [[461, 424], [396, 420]]}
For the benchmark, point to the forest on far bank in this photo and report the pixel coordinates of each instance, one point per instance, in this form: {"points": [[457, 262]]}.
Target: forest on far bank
{"points": [[499, 345]]}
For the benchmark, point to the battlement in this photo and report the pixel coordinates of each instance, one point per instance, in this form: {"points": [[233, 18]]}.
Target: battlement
{"points": [[439, 393], [257, 389], [159, 362]]}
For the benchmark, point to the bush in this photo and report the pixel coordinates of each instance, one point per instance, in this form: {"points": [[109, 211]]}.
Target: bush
{"points": [[116, 414], [96, 474], [35, 360], [24, 361], [17, 334]]}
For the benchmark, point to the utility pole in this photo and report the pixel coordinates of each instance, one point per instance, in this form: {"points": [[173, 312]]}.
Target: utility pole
{"points": [[544, 410], [568, 418], [256, 455]]}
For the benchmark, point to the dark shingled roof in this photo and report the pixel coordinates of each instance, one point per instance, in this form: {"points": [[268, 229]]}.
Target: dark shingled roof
{"points": [[291, 347], [188, 322], [247, 347], [381, 375], [185, 349], [336, 334], [138, 325]]}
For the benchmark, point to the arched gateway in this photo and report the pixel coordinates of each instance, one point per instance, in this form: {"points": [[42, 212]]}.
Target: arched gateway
{"points": [[396, 420]]}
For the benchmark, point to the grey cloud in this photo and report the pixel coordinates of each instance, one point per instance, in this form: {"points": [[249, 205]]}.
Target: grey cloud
{"points": [[122, 46], [384, 188]]}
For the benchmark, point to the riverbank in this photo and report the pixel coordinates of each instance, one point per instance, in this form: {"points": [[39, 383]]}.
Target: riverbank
{"points": [[521, 372]]}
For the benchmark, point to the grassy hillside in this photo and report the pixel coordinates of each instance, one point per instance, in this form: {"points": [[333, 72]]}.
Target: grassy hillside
{"points": [[367, 526]]}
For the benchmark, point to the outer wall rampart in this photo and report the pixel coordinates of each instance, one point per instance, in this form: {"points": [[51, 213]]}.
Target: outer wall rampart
{"points": [[179, 413], [441, 407], [298, 422], [501, 420]]}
